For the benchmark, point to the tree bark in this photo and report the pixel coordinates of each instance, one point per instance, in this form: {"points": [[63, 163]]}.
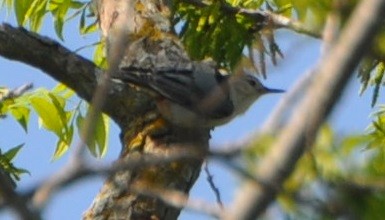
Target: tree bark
{"points": [[125, 194], [138, 34], [128, 194]]}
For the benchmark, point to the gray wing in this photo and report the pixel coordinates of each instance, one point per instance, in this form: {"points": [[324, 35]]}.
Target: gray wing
{"points": [[196, 88]]}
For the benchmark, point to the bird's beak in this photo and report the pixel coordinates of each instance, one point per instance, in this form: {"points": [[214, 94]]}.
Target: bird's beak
{"points": [[268, 90]]}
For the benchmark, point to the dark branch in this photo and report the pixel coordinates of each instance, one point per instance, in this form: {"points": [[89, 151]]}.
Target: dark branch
{"points": [[210, 180], [79, 170], [50, 57], [65, 66], [17, 202]]}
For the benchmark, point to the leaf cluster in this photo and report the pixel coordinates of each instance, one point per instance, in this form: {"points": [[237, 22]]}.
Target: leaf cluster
{"points": [[55, 115], [33, 12], [7, 165], [339, 177]]}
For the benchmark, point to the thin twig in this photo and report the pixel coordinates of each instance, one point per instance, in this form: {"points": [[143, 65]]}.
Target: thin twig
{"points": [[19, 91], [78, 170], [243, 172], [215, 189], [178, 199]]}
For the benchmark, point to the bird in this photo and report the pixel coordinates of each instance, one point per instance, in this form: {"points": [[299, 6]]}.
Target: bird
{"points": [[199, 95]]}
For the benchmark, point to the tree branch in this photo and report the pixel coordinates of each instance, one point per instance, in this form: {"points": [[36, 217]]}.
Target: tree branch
{"points": [[67, 67], [19, 91], [77, 170], [17, 202], [214, 188], [332, 75], [50, 57]]}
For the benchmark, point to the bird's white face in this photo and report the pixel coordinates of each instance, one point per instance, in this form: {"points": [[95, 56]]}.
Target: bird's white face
{"points": [[245, 90]]}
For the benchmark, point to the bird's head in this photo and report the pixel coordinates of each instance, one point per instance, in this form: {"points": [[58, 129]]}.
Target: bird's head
{"points": [[245, 89]]}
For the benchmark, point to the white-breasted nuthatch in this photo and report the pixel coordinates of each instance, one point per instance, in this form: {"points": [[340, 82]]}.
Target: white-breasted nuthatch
{"points": [[197, 96]]}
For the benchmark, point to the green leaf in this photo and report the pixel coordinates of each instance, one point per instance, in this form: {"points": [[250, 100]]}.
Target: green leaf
{"points": [[91, 143], [10, 154], [83, 27], [97, 144], [63, 91], [58, 24], [7, 165], [21, 8], [353, 142], [36, 14], [59, 103], [99, 55], [21, 114], [76, 4], [50, 106], [4, 106], [47, 112], [63, 143], [101, 134], [59, 10], [378, 81]]}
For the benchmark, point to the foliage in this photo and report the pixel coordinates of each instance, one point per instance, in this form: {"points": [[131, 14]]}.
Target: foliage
{"points": [[337, 177], [56, 116], [371, 72], [347, 172], [7, 165], [377, 129], [229, 33], [31, 13]]}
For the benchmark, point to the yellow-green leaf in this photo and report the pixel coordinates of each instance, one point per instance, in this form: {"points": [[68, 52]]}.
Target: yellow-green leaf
{"points": [[48, 114], [21, 114], [101, 134], [21, 8]]}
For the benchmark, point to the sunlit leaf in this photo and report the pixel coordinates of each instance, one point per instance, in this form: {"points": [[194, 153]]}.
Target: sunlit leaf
{"points": [[101, 135], [63, 143], [48, 114], [97, 144], [99, 55], [63, 91], [21, 114], [21, 8], [59, 10]]}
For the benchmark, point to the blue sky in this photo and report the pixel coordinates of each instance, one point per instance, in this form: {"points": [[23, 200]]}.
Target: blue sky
{"points": [[350, 116]]}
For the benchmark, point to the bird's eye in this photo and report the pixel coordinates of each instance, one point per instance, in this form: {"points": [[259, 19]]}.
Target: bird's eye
{"points": [[252, 82]]}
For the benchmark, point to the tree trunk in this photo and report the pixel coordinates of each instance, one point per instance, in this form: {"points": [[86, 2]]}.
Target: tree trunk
{"points": [[138, 33]]}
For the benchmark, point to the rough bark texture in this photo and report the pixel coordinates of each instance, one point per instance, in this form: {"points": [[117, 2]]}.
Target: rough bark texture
{"points": [[138, 33], [147, 41]]}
